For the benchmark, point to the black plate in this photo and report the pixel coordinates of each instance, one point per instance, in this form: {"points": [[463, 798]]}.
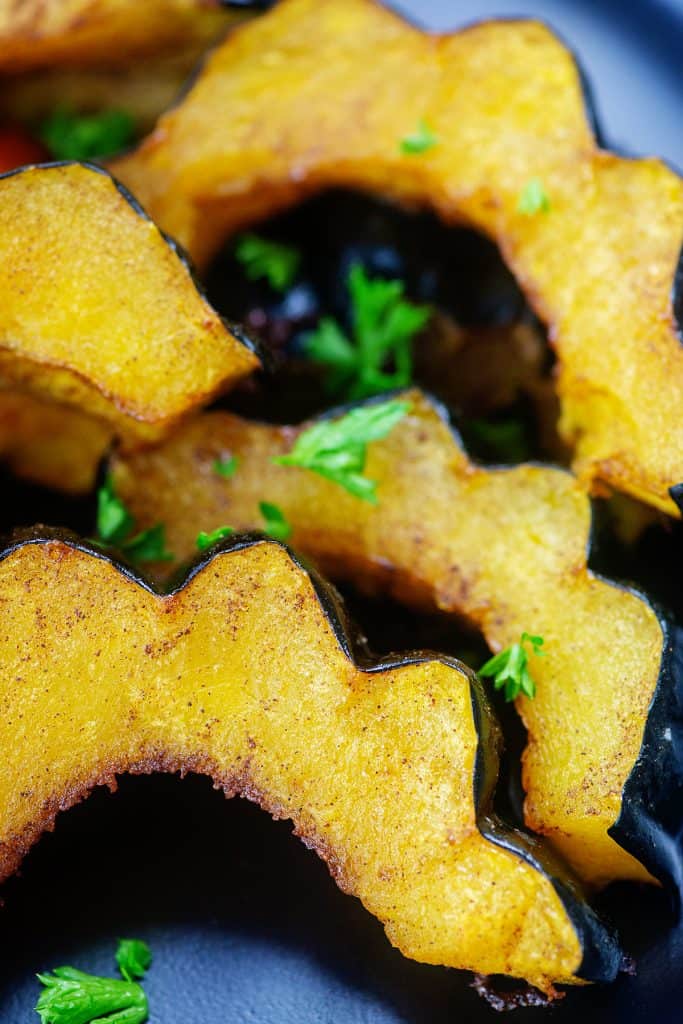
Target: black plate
{"points": [[246, 925]]}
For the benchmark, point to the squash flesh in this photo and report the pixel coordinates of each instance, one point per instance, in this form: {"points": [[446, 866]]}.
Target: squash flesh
{"points": [[101, 676], [506, 549], [309, 110], [51, 444], [98, 310], [109, 33]]}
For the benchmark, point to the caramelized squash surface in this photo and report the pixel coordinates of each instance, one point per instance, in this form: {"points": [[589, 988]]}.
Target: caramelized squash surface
{"points": [[504, 548], [320, 93], [244, 673]]}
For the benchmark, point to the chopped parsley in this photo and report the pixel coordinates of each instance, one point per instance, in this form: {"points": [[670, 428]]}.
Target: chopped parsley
{"points": [[337, 449], [384, 325], [115, 526], [205, 540], [509, 669], [71, 136], [274, 261], [275, 521], [70, 996], [133, 957], [226, 467], [533, 198], [419, 141]]}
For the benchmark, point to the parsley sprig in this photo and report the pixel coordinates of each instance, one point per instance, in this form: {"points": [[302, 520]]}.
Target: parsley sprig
{"points": [[226, 467], [71, 136], [274, 261], [337, 449], [115, 526], [206, 540], [71, 996], [384, 325], [509, 669], [420, 140], [275, 522], [533, 198], [134, 958]]}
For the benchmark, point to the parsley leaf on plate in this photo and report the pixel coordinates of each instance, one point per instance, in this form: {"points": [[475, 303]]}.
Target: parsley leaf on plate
{"points": [[509, 669], [71, 136], [419, 141], [133, 957], [74, 997], [337, 449], [384, 325], [274, 261]]}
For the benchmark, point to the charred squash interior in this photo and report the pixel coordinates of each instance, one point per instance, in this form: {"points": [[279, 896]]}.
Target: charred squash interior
{"points": [[245, 673], [506, 549], [98, 309], [322, 93]]}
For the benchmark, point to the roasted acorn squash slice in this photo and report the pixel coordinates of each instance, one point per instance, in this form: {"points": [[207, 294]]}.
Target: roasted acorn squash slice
{"points": [[98, 309], [321, 93], [102, 33], [506, 549], [245, 673]]}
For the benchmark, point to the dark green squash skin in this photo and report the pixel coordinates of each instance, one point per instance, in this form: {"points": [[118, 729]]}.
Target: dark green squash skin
{"points": [[650, 825], [601, 958]]}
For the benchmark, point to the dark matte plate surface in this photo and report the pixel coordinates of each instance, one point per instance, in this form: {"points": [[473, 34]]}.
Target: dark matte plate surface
{"points": [[246, 925]]}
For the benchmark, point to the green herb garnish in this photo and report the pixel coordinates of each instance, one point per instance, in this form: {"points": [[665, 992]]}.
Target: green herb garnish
{"points": [[133, 957], [274, 261], [70, 996], [275, 522], [510, 668], [419, 141], [533, 198], [226, 467], [115, 527], [384, 325], [71, 136], [337, 449], [205, 540]]}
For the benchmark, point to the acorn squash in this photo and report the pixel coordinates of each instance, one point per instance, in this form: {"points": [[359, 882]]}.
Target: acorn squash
{"points": [[507, 550], [245, 673], [103, 33], [324, 93], [51, 444], [99, 310]]}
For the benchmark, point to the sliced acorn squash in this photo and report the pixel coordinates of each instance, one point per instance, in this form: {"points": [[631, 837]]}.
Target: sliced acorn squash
{"points": [[245, 673], [504, 548], [51, 444], [102, 33], [322, 93], [98, 309]]}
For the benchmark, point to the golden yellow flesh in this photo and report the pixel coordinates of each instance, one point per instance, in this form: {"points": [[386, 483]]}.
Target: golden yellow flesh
{"points": [[240, 675], [98, 311], [504, 548], [51, 444], [320, 93], [102, 33], [143, 89]]}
